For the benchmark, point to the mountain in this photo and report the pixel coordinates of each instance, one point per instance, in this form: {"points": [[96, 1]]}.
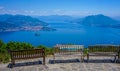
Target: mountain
{"points": [[4, 17], [4, 25], [21, 22], [99, 21], [56, 18], [117, 18]]}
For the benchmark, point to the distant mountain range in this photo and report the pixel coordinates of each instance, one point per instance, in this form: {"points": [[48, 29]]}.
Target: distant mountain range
{"points": [[99, 21], [56, 18], [117, 17], [21, 22], [92, 20]]}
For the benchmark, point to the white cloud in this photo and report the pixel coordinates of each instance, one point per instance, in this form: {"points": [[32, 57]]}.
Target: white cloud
{"points": [[57, 10], [12, 11], [44, 12], [1, 7], [28, 12], [31, 11], [66, 12]]}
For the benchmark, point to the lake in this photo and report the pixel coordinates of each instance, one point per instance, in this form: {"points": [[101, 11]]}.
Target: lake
{"points": [[67, 33]]}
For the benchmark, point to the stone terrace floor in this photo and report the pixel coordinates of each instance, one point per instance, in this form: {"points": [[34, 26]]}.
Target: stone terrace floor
{"points": [[64, 64]]}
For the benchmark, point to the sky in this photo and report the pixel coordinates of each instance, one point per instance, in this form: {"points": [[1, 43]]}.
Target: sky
{"points": [[60, 7]]}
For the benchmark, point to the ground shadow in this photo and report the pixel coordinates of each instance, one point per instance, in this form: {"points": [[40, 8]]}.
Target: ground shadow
{"points": [[118, 61], [99, 61], [25, 64], [64, 61]]}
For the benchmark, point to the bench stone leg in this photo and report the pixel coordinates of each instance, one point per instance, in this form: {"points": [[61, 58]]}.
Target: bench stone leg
{"points": [[13, 63], [43, 60], [118, 60], [115, 59], [87, 57], [82, 58], [54, 58]]}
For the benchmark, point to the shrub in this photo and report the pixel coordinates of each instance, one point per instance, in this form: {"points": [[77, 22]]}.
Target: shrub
{"points": [[4, 58], [48, 51]]}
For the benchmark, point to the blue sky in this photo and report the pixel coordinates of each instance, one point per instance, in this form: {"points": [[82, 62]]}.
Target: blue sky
{"points": [[60, 7]]}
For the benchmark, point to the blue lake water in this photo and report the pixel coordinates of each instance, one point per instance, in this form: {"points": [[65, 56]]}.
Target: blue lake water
{"points": [[67, 33]]}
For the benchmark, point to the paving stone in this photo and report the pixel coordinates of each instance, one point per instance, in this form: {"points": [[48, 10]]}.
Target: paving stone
{"points": [[75, 69], [91, 70], [40, 69], [114, 69], [63, 68], [118, 69], [101, 68], [104, 65], [81, 70], [30, 69], [4, 69], [57, 69]]}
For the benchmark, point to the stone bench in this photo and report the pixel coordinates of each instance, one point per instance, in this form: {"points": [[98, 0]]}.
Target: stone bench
{"points": [[66, 50], [26, 54], [103, 50]]}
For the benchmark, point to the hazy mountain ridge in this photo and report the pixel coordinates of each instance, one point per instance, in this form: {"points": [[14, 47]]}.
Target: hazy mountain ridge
{"points": [[20, 22], [25, 20], [91, 20], [99, 21], [4, 17], [56, 18], [117, 18]]}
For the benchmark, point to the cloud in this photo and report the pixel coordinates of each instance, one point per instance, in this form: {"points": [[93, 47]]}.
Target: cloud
{"points": [[66, 12], [29, 11], [1, 7], [44, 12], [57, 10]]}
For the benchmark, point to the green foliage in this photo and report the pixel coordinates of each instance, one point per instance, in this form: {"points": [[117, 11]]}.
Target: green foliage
{"points": [[41, 46], [48, 51], [18, 46], [109, 48], [4, 55], [2, 47], [85, 51], [1, 43]]}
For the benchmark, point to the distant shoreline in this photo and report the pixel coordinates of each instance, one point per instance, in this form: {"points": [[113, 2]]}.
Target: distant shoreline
{"points": [[28, 28]]}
